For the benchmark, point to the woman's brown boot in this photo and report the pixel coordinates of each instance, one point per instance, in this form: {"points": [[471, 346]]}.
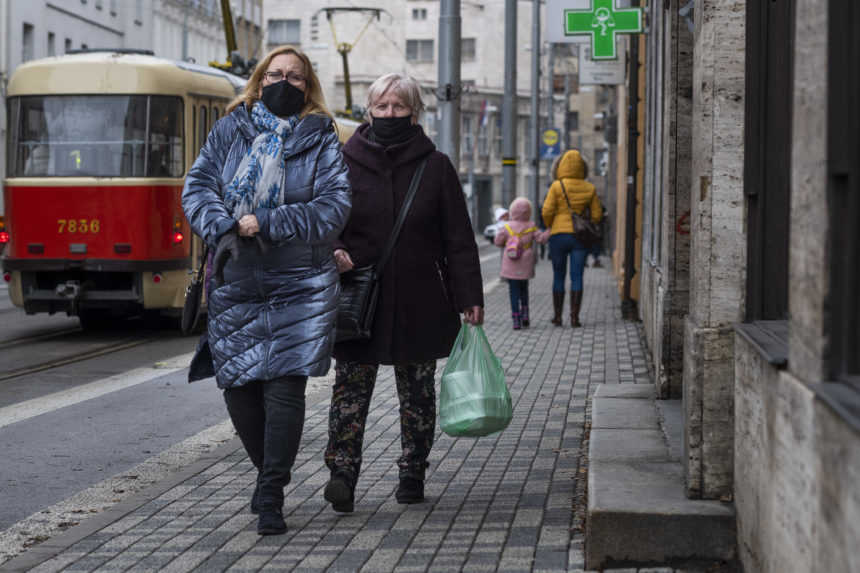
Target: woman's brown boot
{"points": [[575, 304], [557, 305]]}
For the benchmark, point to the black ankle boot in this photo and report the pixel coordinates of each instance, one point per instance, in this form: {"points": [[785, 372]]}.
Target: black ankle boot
{"points": [[271, 521], [255, 500], [340, 492], [410, 490]]}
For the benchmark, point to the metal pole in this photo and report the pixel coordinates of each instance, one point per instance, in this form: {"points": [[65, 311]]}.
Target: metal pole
{"points": [[628, 305], [550, 85], [509, 106], [535, 103], [185, 31], [566, 113], [448, 94]]}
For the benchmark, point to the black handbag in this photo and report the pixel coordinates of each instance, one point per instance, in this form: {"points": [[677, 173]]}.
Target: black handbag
{"points": [[359, 288], [193, 295], [585, 230]]}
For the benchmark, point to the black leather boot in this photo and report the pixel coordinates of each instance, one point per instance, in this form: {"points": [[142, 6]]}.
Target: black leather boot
{"points": [[271, 521], [557, 306], [410, 490], [340, 492], [255, 498], [575, 304]]}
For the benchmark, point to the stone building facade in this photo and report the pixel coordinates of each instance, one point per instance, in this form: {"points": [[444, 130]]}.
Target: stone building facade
{"points": [[749, 279]]}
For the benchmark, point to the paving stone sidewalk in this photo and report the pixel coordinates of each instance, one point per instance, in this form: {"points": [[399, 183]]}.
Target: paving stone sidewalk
{"points": [[509, 502]]}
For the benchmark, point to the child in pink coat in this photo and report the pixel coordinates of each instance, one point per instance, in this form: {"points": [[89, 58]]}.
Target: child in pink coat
{"points": [[517, 237]]}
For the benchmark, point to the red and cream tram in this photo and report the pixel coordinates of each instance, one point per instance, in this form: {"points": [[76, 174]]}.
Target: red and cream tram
{"points": [[98, 147]]}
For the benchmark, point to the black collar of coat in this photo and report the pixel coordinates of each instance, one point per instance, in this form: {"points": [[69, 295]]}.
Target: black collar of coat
{"points": [[308, 132], [380, 159]]}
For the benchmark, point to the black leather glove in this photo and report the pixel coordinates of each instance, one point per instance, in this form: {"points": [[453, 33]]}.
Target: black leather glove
{"points": [[228, 248]]}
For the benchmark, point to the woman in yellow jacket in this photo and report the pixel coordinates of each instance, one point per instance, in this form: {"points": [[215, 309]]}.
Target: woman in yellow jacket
{"points": [[569, 191]]}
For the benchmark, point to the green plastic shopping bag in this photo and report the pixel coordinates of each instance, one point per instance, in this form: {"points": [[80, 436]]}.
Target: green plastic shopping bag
{"points": [[474, 400]]}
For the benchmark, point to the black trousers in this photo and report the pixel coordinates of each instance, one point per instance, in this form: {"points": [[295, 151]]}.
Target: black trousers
{"points": [[269, 417]]}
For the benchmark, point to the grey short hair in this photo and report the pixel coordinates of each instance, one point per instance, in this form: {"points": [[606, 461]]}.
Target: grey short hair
{"points": [[405, 87]]}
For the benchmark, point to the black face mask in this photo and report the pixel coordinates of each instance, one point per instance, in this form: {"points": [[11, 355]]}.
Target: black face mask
{"points": [[392, 128], [283, 98]]}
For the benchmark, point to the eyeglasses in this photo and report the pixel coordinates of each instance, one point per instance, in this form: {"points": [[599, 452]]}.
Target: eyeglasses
{"points": [[292, 77]]}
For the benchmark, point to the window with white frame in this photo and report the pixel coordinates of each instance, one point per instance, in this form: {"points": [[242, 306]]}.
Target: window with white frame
{"points": [[430, 124], [419, 13], [483, 139], [27, 42], [468, 136], [315, 28], [497, 136], [419, 50], [52, 44], [283, 32], [467, 49]]}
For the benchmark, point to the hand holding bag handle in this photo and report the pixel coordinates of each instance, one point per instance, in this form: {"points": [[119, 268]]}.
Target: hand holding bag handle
{"points": [[360, 287]]}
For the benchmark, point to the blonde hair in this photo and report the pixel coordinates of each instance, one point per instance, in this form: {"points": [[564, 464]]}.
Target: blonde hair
{"points": [[404, 86], [314, 99]]}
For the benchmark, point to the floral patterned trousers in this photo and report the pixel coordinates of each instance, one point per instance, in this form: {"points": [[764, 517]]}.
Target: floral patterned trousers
{"points": [[351, 394]]}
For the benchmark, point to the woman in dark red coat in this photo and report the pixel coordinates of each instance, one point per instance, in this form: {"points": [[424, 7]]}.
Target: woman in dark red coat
{"points": [[432, 276]]}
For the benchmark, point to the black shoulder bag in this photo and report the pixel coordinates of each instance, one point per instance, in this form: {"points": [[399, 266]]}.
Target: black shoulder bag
{"points": [[359, 288], [193, 294], [585, 230]]}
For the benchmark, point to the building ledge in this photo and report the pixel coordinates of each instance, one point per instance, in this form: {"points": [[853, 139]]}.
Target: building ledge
{"points": [[769, 338]]}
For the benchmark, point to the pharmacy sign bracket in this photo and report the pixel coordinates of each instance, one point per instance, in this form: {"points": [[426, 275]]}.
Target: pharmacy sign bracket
{"points": [[602, 22]]}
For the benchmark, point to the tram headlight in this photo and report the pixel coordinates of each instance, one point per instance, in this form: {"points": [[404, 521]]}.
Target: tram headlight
{"points": [[4, 237], [178, 237], [7, 277], [157, 278]]}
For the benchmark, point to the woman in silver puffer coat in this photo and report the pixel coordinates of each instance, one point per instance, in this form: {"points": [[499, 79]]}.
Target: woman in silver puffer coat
{"points": [[269, 193]]}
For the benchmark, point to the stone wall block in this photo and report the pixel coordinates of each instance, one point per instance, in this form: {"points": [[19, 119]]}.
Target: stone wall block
{"points": [[692, 402], [793, 480], [754, 380], [838, 528], [708, 406], [809, 260]]}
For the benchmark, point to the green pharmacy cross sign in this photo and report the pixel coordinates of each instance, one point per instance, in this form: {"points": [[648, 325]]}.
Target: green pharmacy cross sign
{"points": [[602, 22]]}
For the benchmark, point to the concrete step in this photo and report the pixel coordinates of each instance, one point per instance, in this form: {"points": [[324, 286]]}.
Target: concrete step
{"points": [[637, 510]]}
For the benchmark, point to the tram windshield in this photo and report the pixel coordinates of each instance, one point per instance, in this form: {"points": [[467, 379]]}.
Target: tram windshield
{"points": [[95, 136]]}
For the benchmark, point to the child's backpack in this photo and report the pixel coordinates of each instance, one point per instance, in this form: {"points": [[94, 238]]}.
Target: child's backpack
{"points": [[515, 246]]}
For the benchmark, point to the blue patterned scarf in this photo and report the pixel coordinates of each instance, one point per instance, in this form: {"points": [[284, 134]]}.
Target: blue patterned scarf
{"points": [[259, 178]]}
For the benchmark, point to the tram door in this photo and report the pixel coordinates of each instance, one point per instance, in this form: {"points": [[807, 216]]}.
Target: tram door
{"points": [[203, 114]]}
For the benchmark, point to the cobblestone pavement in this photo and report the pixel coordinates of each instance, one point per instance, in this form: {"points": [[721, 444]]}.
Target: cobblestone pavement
{"points": [[509, 502]]}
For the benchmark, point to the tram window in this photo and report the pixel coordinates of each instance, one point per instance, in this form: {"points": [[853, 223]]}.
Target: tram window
{"points": [[95, 136], [203, 127], [194, 144], [217, 114], [165, 138]]}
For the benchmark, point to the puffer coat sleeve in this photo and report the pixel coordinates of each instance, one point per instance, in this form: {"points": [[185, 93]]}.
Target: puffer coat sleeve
{"points": [[202, 196], [321, 219]]}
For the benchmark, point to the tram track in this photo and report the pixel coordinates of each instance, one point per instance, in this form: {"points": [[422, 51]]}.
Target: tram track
{"points": [[37, 337], [78, 357]]}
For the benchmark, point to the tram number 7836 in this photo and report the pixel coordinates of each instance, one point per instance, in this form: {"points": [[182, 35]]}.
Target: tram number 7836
{"points": [[78, 226]]}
